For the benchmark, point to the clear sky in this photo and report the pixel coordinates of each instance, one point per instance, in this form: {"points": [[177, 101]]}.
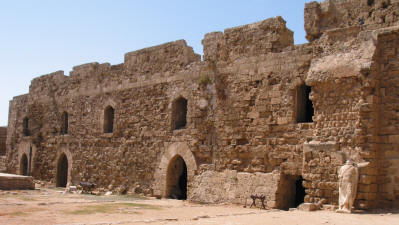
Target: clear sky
{"points": [[40, 37]]}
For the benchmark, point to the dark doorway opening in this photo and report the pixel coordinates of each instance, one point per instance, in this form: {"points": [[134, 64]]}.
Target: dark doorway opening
{"points": [[62, 171], [179, 116], [24, 165], [291, 192], [299, 192], [304, 106], [177, 179]]}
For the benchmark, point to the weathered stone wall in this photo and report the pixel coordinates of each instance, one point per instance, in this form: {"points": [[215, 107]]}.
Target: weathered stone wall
{"points": [[255, 125], [3, 138], [242, 134], [18, 110], [336, 14], [16, 182], [142, 128], [235, 187], [264, 37], [386, 95]]}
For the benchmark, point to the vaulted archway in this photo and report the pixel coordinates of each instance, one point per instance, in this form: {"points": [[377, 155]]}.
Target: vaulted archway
{"points": [[62, 171], [176, 168], [23, 166], [176, 179]]}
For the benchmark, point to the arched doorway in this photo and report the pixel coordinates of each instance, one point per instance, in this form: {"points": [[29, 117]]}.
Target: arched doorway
{"points": [[62, 171], [176, 184], [290, 193], [24, 165]]}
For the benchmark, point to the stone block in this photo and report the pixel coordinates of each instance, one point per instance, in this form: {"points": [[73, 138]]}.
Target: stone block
{"points": [[394, 139], [308, 207], [16, 182]]}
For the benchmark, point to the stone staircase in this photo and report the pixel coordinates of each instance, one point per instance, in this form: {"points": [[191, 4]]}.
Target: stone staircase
{"points": [[3, 167]]}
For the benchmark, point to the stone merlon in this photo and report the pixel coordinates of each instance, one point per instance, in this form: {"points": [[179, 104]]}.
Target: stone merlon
{"points": [[335, 14], [263, 37], [166, 57]]}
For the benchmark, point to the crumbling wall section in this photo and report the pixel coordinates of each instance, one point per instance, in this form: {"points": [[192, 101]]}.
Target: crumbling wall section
{"points": [[3, 138], [336, 14], [264, 37], [241, 123], [386, 95], [17, 112], [256, 125], [236, 187], [127, 158]]}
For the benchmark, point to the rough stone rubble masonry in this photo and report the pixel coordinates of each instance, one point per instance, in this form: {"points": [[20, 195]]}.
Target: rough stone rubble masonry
{"points": [[258, 115]]}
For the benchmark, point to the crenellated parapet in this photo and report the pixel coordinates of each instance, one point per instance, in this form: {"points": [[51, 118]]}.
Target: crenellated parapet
{"points": [[259, 115], [336, 14], [263, 37], [168, 57], [44, 84]]}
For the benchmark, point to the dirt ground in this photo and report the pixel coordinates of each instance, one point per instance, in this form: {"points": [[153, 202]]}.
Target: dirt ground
{"points": [[51, 206]]}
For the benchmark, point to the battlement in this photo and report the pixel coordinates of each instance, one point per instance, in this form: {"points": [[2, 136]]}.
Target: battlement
{"points": [[263, 37], [84, 70], [46, 82], [3, 137], [336, 14], [171, 56], [256, 109]]}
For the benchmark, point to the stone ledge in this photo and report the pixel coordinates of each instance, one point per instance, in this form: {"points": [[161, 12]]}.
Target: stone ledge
{"points": [[16, 182]]}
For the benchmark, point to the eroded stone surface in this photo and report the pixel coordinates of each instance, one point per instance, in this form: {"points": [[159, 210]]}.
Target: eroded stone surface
{"points": [[243, 100], [15, 182], [3, 137]]}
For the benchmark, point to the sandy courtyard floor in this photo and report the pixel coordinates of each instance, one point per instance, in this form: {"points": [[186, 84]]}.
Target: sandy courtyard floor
{"points": [[50, 206]]}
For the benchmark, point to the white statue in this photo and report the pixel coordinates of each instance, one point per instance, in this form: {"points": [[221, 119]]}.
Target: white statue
{"points": [[348, 176]]}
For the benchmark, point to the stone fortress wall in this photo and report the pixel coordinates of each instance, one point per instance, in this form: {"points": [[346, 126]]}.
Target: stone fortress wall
{"points": [[258, 115], [3, 137]]}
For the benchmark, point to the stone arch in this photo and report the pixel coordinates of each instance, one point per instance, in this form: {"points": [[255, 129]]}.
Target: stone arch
{"points": [[60, 166], [108, 104], [176, 179], [23, 165], [24, 149], [181, 96], [177, 149]]}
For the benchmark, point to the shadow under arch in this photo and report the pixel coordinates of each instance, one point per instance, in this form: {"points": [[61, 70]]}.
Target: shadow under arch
{"points": [[62, 171], [23, 165], [177, 154], [176, 179]]}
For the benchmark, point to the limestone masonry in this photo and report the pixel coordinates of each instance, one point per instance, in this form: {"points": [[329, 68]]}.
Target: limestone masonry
{"points": [[3, 137], [258, 115]]}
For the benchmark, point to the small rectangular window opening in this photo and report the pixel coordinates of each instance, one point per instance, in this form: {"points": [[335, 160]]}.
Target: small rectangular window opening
{"points": [[109, 120], [304, 106], [64, 128], [26, 130], [179, 114]]}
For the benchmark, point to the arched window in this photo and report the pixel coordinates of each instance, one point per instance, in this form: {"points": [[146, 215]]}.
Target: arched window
{"points": [[25, 125], [304, 106], [64, 125], [109, 119], [179, 113]]}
